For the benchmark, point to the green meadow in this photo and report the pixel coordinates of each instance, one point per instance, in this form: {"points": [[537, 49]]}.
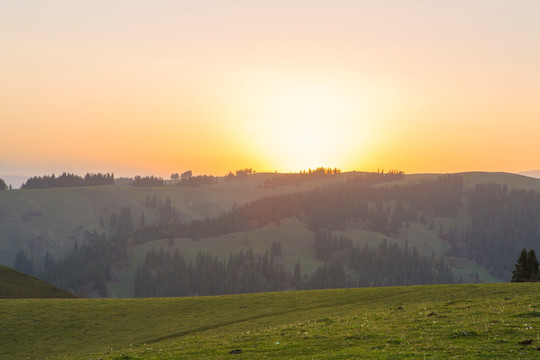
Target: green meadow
{"points": [[482, 321]]}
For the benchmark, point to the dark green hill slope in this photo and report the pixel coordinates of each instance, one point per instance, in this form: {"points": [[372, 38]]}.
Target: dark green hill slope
{"points": [[16, 285]]}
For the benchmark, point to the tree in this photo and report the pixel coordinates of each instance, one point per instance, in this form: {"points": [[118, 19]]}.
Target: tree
{"points": [[186, 174], [532, 265], [520, 271], [526, 268], [3, 185]]}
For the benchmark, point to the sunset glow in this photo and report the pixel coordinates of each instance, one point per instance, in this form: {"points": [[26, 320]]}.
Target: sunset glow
{"points": [[305, 125], [160, 87]]}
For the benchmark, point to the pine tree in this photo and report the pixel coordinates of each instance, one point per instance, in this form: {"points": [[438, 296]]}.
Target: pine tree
{"points": [[526, 268], [532, 266]]}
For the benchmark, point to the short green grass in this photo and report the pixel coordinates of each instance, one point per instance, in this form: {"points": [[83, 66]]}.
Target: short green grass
{"points": [[486, 321]]}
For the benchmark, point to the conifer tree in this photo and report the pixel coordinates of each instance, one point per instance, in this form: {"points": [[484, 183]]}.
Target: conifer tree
{"points": [[532, 265], [526, 268], [520, 271]]}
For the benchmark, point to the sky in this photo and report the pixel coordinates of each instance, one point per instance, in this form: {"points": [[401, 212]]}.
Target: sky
{"points": [[156, 87]]}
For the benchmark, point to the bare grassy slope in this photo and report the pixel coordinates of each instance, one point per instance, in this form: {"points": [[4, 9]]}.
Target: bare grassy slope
{"points": [[16, 285]]}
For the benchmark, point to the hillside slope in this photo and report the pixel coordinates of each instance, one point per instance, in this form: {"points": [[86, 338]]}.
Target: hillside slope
{"points": [[16, 285], [40, 220], [430, 235]]}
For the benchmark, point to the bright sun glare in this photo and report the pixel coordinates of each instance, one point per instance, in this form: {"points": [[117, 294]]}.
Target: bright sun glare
{"points": [[307, 126]]}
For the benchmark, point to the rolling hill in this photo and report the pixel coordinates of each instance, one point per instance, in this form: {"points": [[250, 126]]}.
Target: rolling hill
{"points": [[40, 220], [55, 219], [16, 285]]}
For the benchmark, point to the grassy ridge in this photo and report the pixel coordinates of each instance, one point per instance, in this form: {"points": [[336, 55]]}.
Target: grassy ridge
{"points": [[16, 285], [467, 321]]}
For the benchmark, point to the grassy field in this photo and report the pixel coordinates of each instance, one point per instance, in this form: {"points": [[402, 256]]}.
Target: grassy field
{"points": [[486, 321]]}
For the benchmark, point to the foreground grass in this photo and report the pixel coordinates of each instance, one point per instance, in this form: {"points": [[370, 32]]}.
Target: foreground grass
{"points": [[447, 321]]}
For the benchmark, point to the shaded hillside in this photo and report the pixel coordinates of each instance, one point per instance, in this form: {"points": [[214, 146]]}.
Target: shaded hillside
{"points": [[16, 285]]}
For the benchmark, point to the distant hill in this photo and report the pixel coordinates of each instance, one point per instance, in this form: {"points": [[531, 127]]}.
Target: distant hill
{"points": [[16, 285], [439, 224], [531, 173], [41, 220]]}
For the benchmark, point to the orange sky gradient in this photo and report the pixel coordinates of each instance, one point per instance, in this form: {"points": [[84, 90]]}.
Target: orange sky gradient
{"points": [[155, 87]]}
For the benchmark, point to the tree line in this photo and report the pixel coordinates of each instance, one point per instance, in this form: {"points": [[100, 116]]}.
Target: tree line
{"points": [[387, 264], [68, 180], [299, 177], [190, 181], [163, 274]]}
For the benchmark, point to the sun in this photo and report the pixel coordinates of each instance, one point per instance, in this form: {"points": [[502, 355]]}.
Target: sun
{"points": [[307, 125]]}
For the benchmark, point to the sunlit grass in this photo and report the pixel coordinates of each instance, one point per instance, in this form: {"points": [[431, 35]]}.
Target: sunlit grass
{"points": [[445, 321]]}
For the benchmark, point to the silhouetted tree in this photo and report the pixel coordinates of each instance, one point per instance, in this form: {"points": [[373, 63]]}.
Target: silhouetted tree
{"points": [[147, 181], [526, 268], [532, 265], [186, 174]]}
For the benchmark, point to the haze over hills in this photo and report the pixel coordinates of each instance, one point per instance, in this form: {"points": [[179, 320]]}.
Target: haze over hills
{"points": [[100, 101], [55, 221], [531, 173]]}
